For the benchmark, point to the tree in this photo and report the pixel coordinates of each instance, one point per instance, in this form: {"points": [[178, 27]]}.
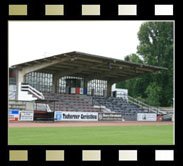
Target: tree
{"points": [[155, 48], [156, 42], [133, 58], [133, 85], [152, 92]]}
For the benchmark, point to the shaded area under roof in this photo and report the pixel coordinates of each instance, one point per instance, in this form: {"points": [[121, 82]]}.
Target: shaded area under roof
{"points": [[88, 66]]}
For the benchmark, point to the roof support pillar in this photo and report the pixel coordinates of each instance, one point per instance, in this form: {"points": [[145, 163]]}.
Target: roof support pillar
{"points": [[109, 88], [86, 80], [85, 83], [55, 83], [20, 79]]}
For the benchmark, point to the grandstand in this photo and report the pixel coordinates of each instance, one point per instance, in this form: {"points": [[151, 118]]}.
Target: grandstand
{"points": [[70, 102], [78, 82]]}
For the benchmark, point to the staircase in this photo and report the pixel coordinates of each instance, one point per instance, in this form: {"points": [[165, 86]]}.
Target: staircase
{"points": [[29, 93]]}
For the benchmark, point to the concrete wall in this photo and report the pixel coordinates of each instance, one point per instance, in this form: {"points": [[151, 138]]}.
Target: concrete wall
{"points": [[21, 105]]}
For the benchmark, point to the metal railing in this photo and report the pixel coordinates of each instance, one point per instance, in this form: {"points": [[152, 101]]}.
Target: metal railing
{"points": [[27, 87], [145, 106]]}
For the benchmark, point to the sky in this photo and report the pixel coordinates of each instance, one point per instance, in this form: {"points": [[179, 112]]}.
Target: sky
{"points": [[30, 40]]}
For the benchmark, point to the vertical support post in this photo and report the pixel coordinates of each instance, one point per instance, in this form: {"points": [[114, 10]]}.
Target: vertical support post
{"points": [[19, 80], [85, 83], [55, 106], [109, 88], [55, 83]]}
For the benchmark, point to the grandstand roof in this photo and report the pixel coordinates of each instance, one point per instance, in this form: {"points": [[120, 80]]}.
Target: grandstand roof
{"points": [[90, 66]]}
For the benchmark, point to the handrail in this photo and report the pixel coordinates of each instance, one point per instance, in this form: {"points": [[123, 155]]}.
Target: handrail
{"points": [[35, 92], [32, 90], [96, 103], [144, 105], [105, 109]]}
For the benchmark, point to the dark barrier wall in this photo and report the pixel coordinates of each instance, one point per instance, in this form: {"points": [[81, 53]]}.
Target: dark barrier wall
{"points": [[44, 116]]}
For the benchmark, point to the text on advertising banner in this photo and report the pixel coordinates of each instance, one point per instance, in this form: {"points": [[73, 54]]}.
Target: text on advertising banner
{"points": [[146, 117], [13, 115], [26, 116], [75, 116]]}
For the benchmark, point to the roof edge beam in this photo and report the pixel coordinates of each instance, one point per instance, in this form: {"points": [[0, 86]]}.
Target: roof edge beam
{"points": [[36, 66]]}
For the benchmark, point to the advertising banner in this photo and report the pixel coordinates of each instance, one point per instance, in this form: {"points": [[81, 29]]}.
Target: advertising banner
{"points": [[146, 117], [26, 116], [110, 117], [75, 116], [13, 115]]}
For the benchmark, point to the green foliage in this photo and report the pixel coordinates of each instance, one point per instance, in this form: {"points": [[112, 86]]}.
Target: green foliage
{"points": [[141, 99], [153, 94], [155, 48], [156, 43], [133, 58]]}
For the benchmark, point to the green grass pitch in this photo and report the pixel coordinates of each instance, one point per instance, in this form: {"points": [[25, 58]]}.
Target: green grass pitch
{"points": [[105, 135]]}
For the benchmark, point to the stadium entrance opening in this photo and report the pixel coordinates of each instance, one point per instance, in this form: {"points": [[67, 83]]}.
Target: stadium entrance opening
{"points": [[73, 85]]}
